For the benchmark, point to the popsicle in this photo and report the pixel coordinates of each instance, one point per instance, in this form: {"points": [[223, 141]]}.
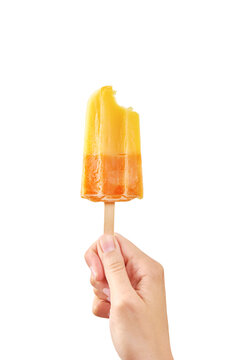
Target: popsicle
{"points": [[112, 166]]}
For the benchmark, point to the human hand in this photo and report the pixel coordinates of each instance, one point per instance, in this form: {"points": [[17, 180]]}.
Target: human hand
{"points": [[129, 290]]}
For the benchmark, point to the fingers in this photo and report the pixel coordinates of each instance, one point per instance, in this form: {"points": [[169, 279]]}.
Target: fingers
{"points": [[99, 285], [101, 305], [94, 263], [101, 308], [102, 294], [114, 267], [121, 272]]}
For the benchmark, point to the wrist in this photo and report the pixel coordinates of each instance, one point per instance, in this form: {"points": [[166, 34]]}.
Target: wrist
{"points": [[166, 355]]}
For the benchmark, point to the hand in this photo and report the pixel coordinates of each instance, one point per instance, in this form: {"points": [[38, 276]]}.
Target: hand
{"points": [[129, 290]]}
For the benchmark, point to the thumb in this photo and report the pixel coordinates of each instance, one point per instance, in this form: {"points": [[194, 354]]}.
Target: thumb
{"points": [[114, 266]]}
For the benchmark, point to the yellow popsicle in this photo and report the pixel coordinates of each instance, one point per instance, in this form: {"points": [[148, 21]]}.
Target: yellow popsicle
{"points": [[112, 166]]}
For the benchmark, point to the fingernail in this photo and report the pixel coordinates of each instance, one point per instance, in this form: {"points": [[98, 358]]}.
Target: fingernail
{"points": [[107, 243], [94, 273], [106, 291]]}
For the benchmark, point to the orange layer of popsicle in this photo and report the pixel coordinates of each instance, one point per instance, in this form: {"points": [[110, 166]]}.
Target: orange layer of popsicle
{"points": [[112, 178]]}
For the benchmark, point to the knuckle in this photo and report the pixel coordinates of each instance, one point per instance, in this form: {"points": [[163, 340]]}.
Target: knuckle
{"points": [[121, 305], [125, 305], [93, 282], [161, 269], [115, 267], [95, 309], [114, 263], [158, 272], [96, 292], [87, 254]]}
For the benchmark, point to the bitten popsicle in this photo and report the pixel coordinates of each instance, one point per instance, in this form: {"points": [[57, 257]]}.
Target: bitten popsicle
{"points": [[112, 166]]}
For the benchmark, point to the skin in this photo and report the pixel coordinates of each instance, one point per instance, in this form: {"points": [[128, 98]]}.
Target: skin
{"points": [[129, 290]]}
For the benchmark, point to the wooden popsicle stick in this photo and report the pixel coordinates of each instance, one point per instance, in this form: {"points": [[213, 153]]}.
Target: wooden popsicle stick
{"points": [[109, 218]]}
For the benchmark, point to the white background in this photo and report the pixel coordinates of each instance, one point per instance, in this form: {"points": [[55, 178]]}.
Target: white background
{"points": [[177, 63]]}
